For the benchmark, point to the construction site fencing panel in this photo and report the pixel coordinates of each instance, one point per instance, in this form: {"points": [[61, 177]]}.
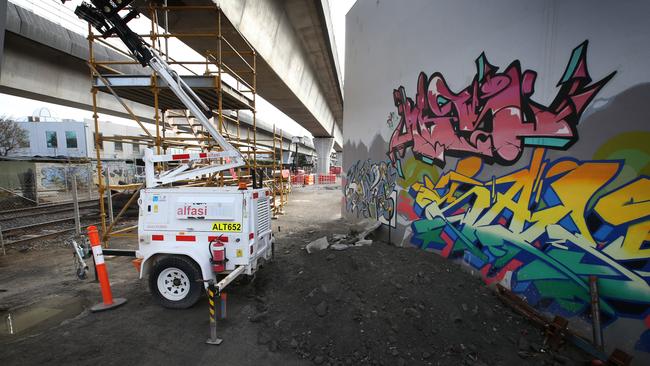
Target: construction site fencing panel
{"points": [[327, 179], [33, 183], [297, 179]]}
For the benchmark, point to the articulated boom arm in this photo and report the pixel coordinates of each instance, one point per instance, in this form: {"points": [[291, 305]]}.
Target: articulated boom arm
{"points": [[197, 108], [103, 16]]}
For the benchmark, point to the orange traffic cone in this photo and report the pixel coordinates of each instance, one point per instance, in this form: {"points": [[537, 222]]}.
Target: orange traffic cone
{"points": [[100, 267]]}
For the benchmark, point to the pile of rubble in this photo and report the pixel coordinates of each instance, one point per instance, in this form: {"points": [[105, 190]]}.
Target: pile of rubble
{"points": [[360, 304], [344, 241]]}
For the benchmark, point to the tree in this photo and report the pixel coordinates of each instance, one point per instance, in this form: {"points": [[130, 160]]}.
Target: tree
{"points": [[12, 136]]}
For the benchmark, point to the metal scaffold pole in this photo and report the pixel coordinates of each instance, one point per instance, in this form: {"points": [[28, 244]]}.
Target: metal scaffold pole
{"points": [[75, 202], [232, 69], [97, 136]]}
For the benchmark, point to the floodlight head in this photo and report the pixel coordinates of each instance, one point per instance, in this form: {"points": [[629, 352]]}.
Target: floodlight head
{"points": [[93, 16], [111, 7], [104, 16]]}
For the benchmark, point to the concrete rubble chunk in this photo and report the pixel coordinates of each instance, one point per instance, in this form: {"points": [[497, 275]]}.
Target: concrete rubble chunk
{"points": [[318, 244], [339, 246], [369, 229], [263, 338], [363, 242], [339, 237], [258, 317], [321, 309]]}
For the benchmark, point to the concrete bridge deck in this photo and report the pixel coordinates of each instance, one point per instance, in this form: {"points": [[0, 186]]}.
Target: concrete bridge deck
{"points": [[44, 61]]}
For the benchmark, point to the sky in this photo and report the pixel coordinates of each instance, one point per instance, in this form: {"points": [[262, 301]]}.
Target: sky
{"points": [[338, 10], [54, 11]]}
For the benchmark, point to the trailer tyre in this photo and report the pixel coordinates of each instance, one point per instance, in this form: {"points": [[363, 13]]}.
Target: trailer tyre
{"points": [[173, 282]]}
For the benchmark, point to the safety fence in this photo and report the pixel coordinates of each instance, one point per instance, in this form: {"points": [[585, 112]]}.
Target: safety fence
{"points": [[314, 179], [326, 178]]}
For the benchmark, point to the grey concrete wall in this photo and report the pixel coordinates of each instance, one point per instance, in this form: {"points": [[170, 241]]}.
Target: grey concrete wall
{"points": [[474, 188]]}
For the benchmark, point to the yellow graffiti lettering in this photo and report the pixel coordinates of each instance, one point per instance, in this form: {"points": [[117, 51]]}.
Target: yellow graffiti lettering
{"points": [[626, 204], [629, 246]]}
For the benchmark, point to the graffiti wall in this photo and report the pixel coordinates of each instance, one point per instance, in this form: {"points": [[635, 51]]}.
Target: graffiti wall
{"points": [[521, 151], [495, 116], [547, 227], [370, 191]]}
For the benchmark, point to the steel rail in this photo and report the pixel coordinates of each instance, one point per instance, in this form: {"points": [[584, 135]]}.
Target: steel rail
{"points": [[43, 207], [7, 231], [46, 235], [46, 212]]}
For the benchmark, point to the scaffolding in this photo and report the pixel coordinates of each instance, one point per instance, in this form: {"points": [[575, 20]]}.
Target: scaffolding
{"points": [[278, 179], [229, 88]]}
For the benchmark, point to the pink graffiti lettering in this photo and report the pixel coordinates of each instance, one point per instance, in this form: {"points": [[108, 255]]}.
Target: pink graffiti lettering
{"points": [[494, 117]]}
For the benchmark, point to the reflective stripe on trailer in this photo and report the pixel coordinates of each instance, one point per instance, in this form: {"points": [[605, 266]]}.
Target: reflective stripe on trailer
{"points": [[185, 238], [157, 237], [194, 156], [222, 238]]}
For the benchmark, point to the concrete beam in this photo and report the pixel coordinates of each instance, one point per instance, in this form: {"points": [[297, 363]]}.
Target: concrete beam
{"points": [[284, 64], [285, 74], [313, 26], [32, 71], [44, 61]]}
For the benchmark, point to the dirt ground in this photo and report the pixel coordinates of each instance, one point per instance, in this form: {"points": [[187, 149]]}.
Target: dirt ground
{"points": [[369, 305]]}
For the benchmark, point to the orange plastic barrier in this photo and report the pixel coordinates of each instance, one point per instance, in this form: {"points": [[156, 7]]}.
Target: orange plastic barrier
{"points": [[326, 178], [298, 179]]}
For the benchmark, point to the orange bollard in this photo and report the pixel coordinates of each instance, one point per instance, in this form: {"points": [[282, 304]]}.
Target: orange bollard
{"points": [[100, 267]]}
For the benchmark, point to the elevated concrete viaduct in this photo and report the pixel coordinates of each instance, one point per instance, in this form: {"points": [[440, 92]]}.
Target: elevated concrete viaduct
{"points": [[297, 67]]}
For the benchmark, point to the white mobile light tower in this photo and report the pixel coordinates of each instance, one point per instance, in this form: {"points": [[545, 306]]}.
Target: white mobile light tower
{"points": [[188, 235]]}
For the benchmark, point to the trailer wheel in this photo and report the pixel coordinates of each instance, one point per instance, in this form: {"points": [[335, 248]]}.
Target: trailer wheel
{"points": [[173, 282]]}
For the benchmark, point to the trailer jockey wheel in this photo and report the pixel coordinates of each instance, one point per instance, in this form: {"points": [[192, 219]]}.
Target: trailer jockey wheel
{"points": [[173, 282]]}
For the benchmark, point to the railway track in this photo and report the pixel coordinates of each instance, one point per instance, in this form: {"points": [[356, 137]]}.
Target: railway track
{"points": [[47, 234], [45, 210], [36, 223], [10, 232]]}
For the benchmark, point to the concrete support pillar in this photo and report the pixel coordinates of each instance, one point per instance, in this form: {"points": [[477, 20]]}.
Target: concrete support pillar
{"points": [[323, 147]]}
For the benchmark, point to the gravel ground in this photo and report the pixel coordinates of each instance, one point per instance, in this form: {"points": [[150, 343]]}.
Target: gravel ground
{"points": [[367, 305], [380, 305]]}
